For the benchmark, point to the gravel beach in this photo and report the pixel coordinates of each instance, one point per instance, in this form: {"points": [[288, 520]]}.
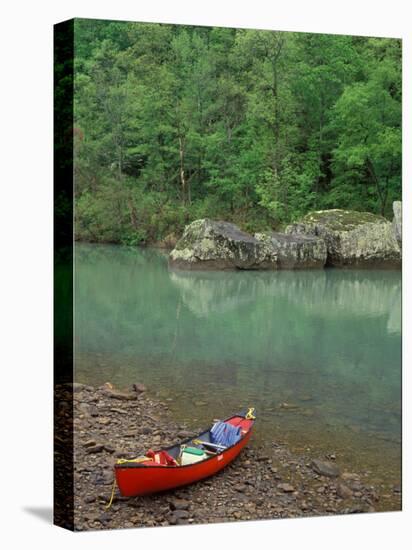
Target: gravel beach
{"points": [[262, 483]]}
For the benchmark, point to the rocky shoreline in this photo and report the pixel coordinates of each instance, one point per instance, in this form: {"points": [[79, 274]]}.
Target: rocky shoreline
{"points": [[262, 483]]}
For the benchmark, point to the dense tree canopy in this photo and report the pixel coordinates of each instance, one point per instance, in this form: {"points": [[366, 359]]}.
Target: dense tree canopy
{"points": [[174, 123]]}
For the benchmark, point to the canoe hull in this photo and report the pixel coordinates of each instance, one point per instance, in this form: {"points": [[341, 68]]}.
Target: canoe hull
{"points": [[136, 479]]}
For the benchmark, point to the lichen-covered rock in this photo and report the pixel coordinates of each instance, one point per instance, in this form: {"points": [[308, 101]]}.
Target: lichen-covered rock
{"points": [[353, 239], [295, 251], [397, 221], [208, 244]]}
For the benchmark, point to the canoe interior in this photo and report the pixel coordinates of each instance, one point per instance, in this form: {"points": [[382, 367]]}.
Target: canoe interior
{"points": [[205, 436], [238, 420]]}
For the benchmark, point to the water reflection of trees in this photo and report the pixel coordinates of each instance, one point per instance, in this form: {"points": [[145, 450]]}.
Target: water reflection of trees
{"points": [[327, 293]]}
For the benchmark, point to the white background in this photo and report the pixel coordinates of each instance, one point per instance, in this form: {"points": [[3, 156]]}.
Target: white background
{"points": [[26, 269]]}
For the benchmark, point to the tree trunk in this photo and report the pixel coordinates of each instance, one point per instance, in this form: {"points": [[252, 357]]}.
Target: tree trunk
{"points": [[120, 160], [275, 92], [320, 146], [182, 169], [382, 197], [132, 211], [276, 125]]}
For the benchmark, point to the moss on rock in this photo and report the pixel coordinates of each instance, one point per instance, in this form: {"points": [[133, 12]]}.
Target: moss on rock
{"points": [[357, 239], [342, 220]]}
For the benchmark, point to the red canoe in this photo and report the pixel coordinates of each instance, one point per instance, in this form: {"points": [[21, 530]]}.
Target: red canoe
{"points": [[146, 475]]}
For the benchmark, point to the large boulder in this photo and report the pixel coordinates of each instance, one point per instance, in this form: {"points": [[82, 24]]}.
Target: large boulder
{"points": [[295, 251], [353, 239], [208, 244], [397, 221]]}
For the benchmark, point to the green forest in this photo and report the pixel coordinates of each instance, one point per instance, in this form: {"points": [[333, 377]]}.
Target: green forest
{"points": [[174, 123]]}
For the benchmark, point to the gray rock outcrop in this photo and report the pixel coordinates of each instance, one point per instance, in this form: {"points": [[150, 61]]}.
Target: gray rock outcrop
{"points": [[295, 251], [209, 244], [397, 221], [341, 238], [353, 239]]}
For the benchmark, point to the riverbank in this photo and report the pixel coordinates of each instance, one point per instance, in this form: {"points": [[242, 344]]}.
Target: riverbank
{"points": [[263, 483]]}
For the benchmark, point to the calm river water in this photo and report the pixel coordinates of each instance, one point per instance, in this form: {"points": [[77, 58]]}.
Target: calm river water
{"points": [[325, 343]]}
